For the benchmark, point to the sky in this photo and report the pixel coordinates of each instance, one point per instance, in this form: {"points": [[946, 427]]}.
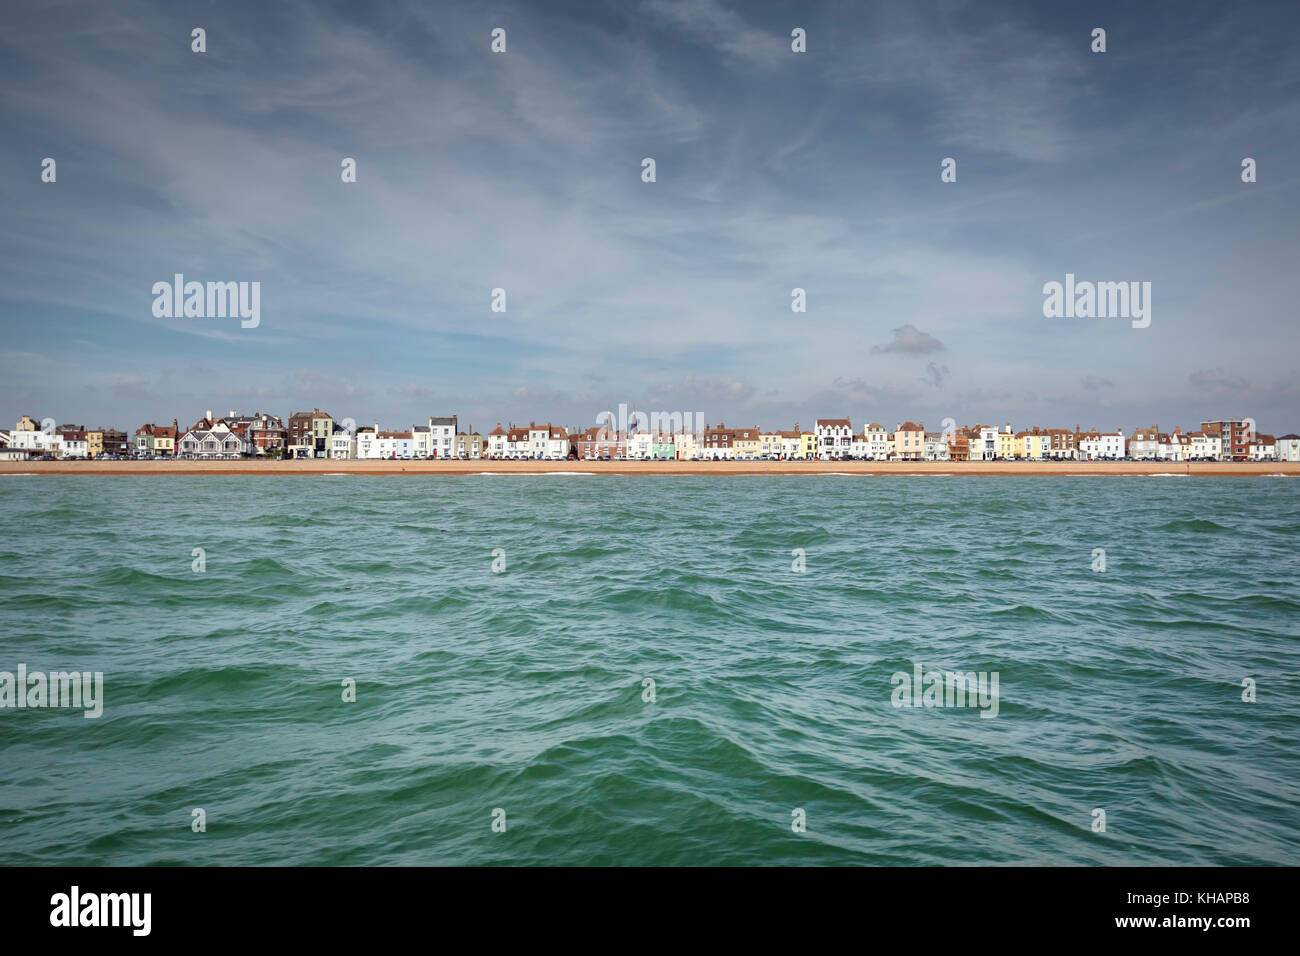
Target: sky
{"points": [[775, 170]]}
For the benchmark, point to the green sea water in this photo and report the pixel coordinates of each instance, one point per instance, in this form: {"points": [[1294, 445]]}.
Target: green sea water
{"points": [[524, 689]]}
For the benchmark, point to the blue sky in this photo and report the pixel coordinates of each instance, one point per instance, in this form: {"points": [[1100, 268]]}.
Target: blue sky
{"points": [[775, 170]]}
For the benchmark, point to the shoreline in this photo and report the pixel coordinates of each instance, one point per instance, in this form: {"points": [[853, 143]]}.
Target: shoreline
{"points": [[456, 467]]}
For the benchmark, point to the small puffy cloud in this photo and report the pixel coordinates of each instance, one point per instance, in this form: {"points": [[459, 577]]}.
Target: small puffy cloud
{"points": [[935, 375], [910, 340]]}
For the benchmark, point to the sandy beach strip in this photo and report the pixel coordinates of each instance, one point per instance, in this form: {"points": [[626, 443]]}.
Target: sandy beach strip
{"points": [[382, 467]]}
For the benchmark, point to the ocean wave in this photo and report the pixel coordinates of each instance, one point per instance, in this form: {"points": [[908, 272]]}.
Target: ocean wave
{"points": [[1193, 524]]}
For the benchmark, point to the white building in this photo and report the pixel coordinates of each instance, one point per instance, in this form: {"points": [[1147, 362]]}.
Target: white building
{"points": [[382, 444], [791, 444], [36, 442], [343, 446], [1145, 444], [981, 442], [641, 445], [1096, 446], [1174, 447], [876, 439], [936, 446], [1206, 445], [72, 445], [216, 442], [547, 441], [834, 437], [1287, 447], [436, 439], [1263, 448], [686, 446]]}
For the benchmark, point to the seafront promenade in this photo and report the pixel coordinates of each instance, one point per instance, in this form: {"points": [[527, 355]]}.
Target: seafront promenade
{"points": [[757, 467]]}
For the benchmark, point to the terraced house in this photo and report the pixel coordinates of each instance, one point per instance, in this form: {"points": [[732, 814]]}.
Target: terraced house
{"points": [[343, 446], [377, 443], [72, 442], [442, 436], [834, 437], [547, 441], [723, 443], [909, 442], [876, 439], [686, 445], [599, 442], [1094, 445], [650, 445], [1262, 448], [106, 441], [437, 439], [792, 443], [1061, 443], [1205, 446], [1144, 443], [1175, 446], [310, 433], [469, 444], [210, 439], [266, 434], [747, 442], [780, 443], [156, 441]]}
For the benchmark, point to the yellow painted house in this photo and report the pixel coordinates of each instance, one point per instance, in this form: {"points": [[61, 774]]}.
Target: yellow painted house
{"points": [[95, 443], [1009, 446], [809, 444], [747, 442], [1034, 444]]}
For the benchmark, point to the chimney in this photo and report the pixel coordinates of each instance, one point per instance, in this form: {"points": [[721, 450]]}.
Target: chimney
{"points": [[208, 414]]}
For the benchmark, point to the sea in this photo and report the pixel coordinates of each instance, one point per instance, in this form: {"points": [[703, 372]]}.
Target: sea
{"points": [[574, 669]]}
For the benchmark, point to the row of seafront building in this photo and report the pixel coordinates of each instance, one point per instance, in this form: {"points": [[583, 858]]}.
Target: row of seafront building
{"points": [[317, 434]]}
